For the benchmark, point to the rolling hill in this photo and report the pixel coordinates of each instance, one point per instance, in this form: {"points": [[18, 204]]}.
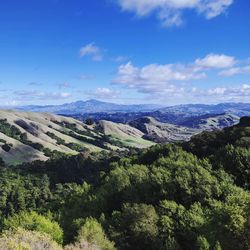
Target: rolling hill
{"points": [[211, 122], [162, 132], [29, 136], [198, 116], [124, 134]]}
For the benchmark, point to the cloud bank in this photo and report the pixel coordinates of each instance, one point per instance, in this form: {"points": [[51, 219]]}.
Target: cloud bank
{"points": [[170, 12], [177, 80]]}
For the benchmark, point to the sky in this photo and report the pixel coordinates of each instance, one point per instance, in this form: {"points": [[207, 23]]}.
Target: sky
{"points": [[124, 51]]}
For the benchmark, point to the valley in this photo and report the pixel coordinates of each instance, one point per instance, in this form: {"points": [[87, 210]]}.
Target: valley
{"points": [[27, 136]]}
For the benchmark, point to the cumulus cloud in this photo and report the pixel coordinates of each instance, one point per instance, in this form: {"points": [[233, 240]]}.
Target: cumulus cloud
{"points": [[158, 78], [170, 12], [235, 71], [93, 51], [40, 95], [215, 61], [103, 93], [238, 93], [176, 81], [155, 77]]}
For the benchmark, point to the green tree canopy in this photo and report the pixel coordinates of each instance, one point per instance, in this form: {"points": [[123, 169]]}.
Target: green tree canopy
{"points": [[34, 222]]}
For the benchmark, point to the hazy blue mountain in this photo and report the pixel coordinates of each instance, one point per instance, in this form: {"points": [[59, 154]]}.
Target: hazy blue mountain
{"points": [[190, 115], [240, 109], [210, 122], [186, 110], [90, 106]]}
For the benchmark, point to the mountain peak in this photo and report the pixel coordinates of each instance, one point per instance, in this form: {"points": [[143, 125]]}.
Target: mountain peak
{"points": [[93, 101]]}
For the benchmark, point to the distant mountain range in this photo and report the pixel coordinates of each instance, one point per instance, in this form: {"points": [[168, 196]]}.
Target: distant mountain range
{"points": [[90, 106], [240, 109], [96, 108]]}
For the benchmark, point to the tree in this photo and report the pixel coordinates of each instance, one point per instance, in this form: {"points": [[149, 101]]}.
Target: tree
{"points": [[236, 161], [202, 243], [217, 246], [135, 227], [89, 121], [92, 232], [6, 147], [35, 222]]}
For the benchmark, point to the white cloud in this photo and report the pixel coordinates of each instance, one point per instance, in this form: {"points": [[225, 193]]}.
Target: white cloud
{"points": [[103, 93], [219, 94], [239, 93], [40, 95], [235, 71], [169, 12], [215, 61], [155, 77], [176, 81], [217, 91], [170, 18], [213, 8], [180, 95], [92, 51]]}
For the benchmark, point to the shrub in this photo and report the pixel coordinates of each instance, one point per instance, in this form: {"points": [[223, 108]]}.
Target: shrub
{"points": [[21, 239], [35, 222], [93, 233], [6, 147]]}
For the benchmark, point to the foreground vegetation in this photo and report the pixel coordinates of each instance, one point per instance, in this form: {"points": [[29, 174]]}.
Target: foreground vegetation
{"points": [[177, 196]]}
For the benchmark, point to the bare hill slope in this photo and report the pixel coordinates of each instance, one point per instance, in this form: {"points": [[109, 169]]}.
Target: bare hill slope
{"points": [[29, 136]]}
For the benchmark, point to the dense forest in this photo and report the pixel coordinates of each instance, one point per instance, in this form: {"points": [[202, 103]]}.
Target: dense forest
{"points": [[192, 195]]}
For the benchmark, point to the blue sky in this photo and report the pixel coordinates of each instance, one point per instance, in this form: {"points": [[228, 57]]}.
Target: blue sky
{"points": [[126, 51]]}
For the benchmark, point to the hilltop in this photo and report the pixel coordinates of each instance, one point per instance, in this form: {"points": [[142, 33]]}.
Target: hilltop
{"points": [[162, 132]]}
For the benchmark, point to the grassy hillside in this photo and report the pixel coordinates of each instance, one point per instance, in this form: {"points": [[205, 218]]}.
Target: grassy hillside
{"points": [[211, 122], [163, 132], [27, 136], [125, 134]]}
